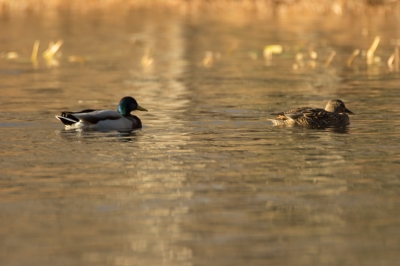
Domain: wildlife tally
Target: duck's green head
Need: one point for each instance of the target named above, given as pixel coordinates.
(127, 105)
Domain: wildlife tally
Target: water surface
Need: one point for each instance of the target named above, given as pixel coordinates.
(208, 180)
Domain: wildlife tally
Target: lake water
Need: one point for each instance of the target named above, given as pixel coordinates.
(208, 180)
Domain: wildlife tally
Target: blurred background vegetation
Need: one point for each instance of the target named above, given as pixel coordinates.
(283, 6)
(237, 11)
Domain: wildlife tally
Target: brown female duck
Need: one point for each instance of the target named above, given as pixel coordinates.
(334, 115)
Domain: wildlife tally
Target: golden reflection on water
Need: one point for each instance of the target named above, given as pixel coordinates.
(208, 180)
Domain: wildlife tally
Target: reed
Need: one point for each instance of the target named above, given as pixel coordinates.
(330, 58)
(371, 50)
(393, 61)
(269, 50)
(49, 54)
(35, 50)
(355, 53)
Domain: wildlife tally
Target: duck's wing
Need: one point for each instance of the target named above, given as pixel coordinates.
(306, 112)
(65, 114)
(69, 118)
(294, 113)
(316, 112)
(93, 117)
(88, 116)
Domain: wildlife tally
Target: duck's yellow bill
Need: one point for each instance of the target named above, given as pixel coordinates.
(141, 108)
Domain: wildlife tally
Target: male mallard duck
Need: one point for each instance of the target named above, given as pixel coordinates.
(105, 119)
(334, 115)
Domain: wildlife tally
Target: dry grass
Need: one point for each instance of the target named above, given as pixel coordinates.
(289, 7)
(187, 6)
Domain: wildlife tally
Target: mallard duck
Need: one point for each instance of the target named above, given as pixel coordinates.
(334, 115)
(104, 119)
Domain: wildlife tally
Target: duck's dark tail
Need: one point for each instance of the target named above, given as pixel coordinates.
(67, 119)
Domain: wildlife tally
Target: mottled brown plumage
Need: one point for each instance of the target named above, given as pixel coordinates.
(334, 115)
